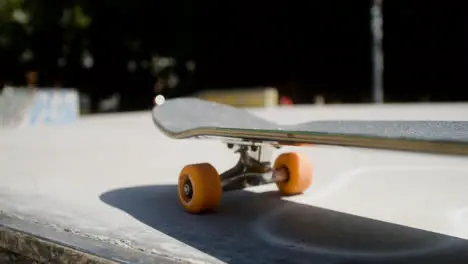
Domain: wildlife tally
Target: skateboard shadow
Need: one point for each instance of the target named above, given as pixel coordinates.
(263, 228)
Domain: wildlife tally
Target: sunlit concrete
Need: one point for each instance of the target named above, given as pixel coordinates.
(112, 178)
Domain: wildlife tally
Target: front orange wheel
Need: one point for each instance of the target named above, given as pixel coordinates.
(299, 173)
(199, 188)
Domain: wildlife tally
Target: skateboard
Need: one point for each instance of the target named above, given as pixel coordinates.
(200, 186)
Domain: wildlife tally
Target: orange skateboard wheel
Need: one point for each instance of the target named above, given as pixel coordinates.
(199, 188)
(299, 172)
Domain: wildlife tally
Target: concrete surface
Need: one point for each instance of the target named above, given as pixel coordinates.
(111, 179)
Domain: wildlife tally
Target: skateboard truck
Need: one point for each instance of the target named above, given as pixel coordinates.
(250, 170)
(200, 186)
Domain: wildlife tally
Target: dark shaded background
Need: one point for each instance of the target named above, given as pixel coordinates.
(303, 48)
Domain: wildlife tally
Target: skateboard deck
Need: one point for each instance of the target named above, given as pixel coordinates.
(200, 186)
(194, 118)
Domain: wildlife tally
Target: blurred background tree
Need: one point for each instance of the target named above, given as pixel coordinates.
(134, 48)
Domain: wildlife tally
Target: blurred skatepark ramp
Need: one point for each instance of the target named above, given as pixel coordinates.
(245, 97)
(25, 107)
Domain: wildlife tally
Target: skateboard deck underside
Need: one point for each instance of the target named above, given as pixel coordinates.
(194, 118)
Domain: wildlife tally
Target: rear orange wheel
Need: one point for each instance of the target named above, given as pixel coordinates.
(299, 173)
(199, 188)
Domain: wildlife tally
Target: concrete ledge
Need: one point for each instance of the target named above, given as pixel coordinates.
(38, 242)
(251, 97)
